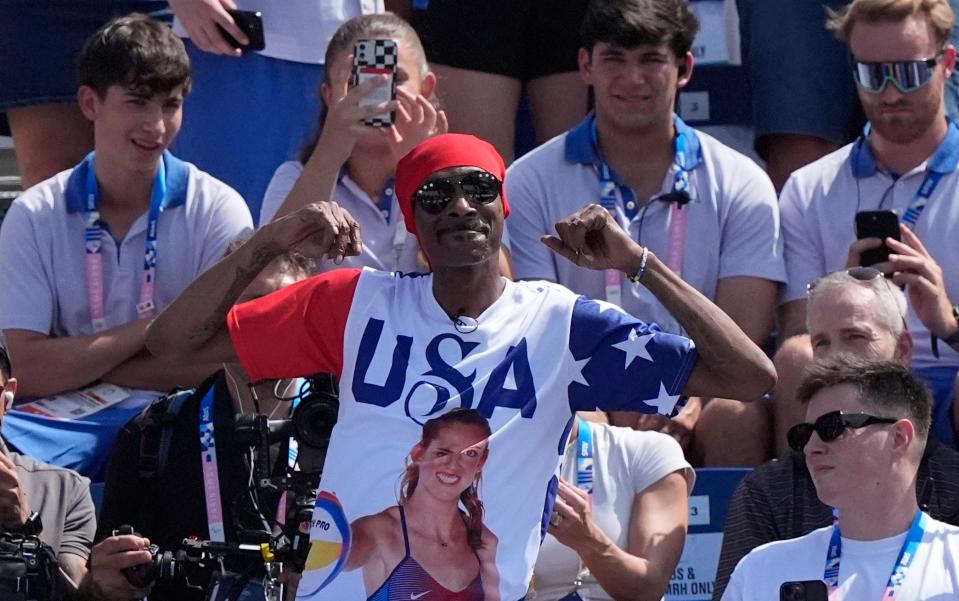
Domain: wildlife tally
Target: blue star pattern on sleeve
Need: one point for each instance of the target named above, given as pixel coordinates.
(619, 362)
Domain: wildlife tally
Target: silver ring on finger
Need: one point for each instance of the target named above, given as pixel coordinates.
(555, 519)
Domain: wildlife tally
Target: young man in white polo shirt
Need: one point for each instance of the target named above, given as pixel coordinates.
(907, 160)
(867, 423)
(709, 211)
(90, 255)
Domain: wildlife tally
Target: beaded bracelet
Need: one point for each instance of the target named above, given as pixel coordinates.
(642, 267)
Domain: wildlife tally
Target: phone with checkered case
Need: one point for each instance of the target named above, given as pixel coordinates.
(372, 58)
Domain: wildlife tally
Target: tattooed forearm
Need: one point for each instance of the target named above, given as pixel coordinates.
(243, 274)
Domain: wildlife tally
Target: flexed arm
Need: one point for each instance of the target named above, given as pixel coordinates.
(193, 328)
(730, 365)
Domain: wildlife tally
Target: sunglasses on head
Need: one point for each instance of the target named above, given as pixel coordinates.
(907, 76)
(478, 187)
(830, 426)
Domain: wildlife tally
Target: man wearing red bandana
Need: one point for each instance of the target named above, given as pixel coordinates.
(411, 347)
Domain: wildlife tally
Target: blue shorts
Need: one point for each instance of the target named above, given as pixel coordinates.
(942, 383)
(247, 115)
(40, 41)
(799, 74)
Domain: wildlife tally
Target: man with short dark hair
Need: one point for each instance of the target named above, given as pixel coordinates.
(409, 347)
(708, 211)
(90, 255)
(867, 425)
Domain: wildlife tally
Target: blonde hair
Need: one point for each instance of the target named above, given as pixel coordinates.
(938, 13)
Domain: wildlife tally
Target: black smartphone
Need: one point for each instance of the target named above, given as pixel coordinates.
(876, 224)
(805, 590)
(370, 59)
(251, 23)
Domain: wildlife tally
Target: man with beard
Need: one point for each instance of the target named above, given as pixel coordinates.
(905, 160)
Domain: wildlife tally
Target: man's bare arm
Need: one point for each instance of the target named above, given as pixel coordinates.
(730, 364)
(193, 328)
(147, 372)
(47, 365)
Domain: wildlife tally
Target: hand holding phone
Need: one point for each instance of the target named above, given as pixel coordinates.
(876, 224)
(805, 590)
(251, 24)
(370, 59)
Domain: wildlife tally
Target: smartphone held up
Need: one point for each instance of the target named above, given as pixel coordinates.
(372, 58)
(876, 224)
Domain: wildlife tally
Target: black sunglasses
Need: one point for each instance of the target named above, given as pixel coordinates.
(830, 426)
(478, 187)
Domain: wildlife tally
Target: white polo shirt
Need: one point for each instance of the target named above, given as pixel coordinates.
(819, 204)
(387, 246)
(732, 224)
(43, 284)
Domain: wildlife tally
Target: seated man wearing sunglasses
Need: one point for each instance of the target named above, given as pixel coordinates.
(410, 347)
(854, 311)
(907, 161)
(867, 425)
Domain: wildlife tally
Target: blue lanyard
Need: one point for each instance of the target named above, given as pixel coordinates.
(211, 478)
(608, 184)
(584, 456)
(906, 554)
(919, 203)
(93, 238)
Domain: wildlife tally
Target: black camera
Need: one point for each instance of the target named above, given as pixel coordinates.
(311, 423)
(164, 566)
(28, 569)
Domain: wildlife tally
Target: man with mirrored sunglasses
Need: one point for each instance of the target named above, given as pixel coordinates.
(906, 161)
(852, 311)
(410, 347)
(867, 423)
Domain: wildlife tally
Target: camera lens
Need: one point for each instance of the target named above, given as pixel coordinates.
(314, 418)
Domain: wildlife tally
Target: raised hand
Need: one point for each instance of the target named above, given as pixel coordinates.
(344, 115)
(591, 238)
(914, 268)
(416, 120)
(319, 230)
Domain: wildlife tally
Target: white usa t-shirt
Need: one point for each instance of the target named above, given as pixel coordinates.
(540, 353)
(864, 568)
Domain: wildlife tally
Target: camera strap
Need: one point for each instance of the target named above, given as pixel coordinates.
(610, 192)
(899, 570)
(93, 237)
(211, 473)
